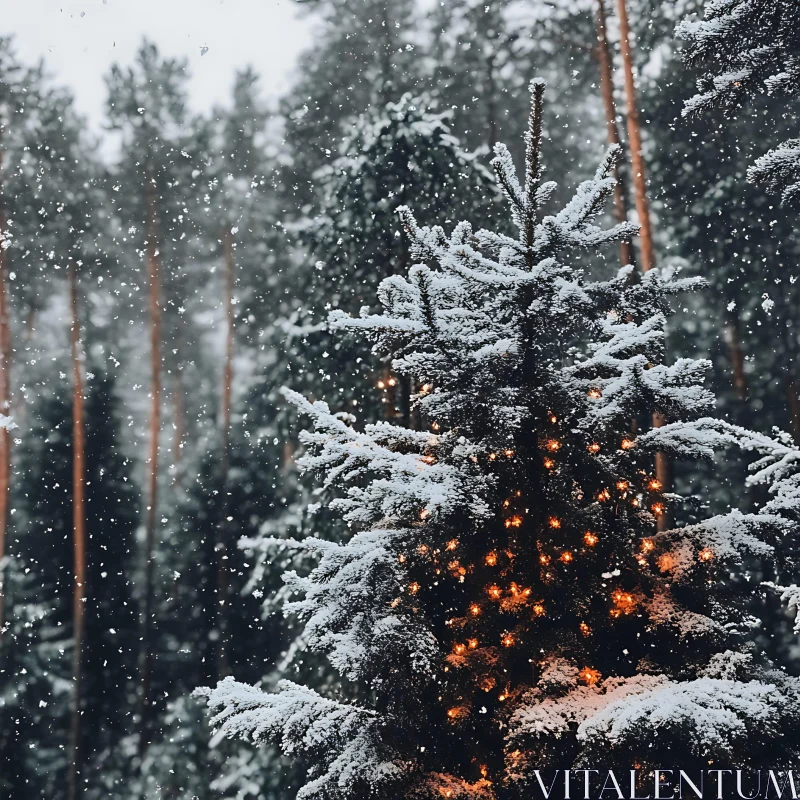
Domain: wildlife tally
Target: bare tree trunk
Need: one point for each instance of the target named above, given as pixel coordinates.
(663, 467)
(733, 338)
(5, 401)
(603, 53)
(223, 667)
(79, 537)
(154, 278)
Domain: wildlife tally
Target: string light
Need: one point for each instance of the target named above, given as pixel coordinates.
(459, 712)
(472, 644)
(554, 522)
(553, 419)
(627, 444)
(544, 559)
(514, 522)
(429, 459)
(494, 592)
(423, 549)
(657, 509)
(425, 388)
(475, 610)
(413, 588)
(594, 447)
(392, 381)
(603, 495)
(549, 463)
(459, 649)
(452, 544)
(654, 484)
(622, 485)
(553, 445)
(705, 554)
(401, 558)
(424, 514)
(589, 676)
(584, 629)
(381, 385)
(595, 394)
(491, 558)
(590, 538)
(507, 640)
(566, 557)
(435, 426)
(508, 453)
(492, 456)
(538, 609)
(647, 545)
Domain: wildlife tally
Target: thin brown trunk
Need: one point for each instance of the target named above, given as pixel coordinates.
(663, 467)
(733, 338)
(79, 538)
(223, 666)
(607, 90)
(635, 142)
(154, 278)
(5, 401)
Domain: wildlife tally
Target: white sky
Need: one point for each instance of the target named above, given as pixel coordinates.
(78, 50)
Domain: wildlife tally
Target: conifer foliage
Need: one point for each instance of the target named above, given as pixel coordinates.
(749, 47)
(504, 602)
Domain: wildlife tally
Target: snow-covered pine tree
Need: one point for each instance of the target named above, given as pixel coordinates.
(748, 48)
(504, 602)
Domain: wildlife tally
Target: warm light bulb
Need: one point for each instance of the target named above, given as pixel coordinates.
(549, 463)
(472, 643)
(654, 485)
(492, 456)
(459, 649)
(595, 393)
(594, 447)
(475, 610)
(507, 640)
(413, 588)
(584, 629)
(491, 558)
(657, 509)
(554, 522)
(452, 544)
(423, 549)
(392, 381)
(538, 609)
(543, 559)
(514, 522)
(494, 592)
(622, 485)
(435, 426)
(508, 453)
(566, 557)
(603, 495)
(381, 385)
(627, 444)
(553, 419)
(705, 554)
(590, 538)
(647, 545)
(589, 676)
(424, 514)
(553, 445)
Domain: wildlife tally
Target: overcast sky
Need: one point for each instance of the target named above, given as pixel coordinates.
(80, 39)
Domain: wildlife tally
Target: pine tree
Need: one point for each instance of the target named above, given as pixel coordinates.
(746, 48)
(504, 602)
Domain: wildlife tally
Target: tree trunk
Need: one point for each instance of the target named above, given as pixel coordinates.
(663, 467)
(5, 400)
(79, 537)
(733, 338)
(154, 278)
(603, 53)
(223, 667)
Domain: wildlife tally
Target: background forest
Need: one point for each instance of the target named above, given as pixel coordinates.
(160, 286)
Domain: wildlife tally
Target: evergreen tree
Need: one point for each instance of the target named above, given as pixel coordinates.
(747, 48)
(504, 602)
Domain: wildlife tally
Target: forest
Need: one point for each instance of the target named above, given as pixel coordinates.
(488, 330)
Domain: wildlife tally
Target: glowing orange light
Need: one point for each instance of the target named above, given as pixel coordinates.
(472, 643)
(457, 713)
(590, 538)
(392, 381)
(627, 444)
(502, 697)
(622, 485)
(381, 385)
(494, 592)
(435, 426)
(401, 558)
(507, 640)
(549, 463)
(705, 554)
(514, 522)
(657, 509)
(452, 544)
(506, 503)
(647, 545)
(584, 629)
(459, 649)
(484, 770)
(424, 514)
(654, 485)
(603, 495)
(595, 393)
(594, 447)
(413, 588)
(553, 419)
(538, 609)
(475, 610)
(491, 558)
(589, 676)
(566, 557)
(429, 459)
(492, 456)
(422, 549)
(426, 387)
(553, 445)
(554, 522)
(544, 559)
(508, 453)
